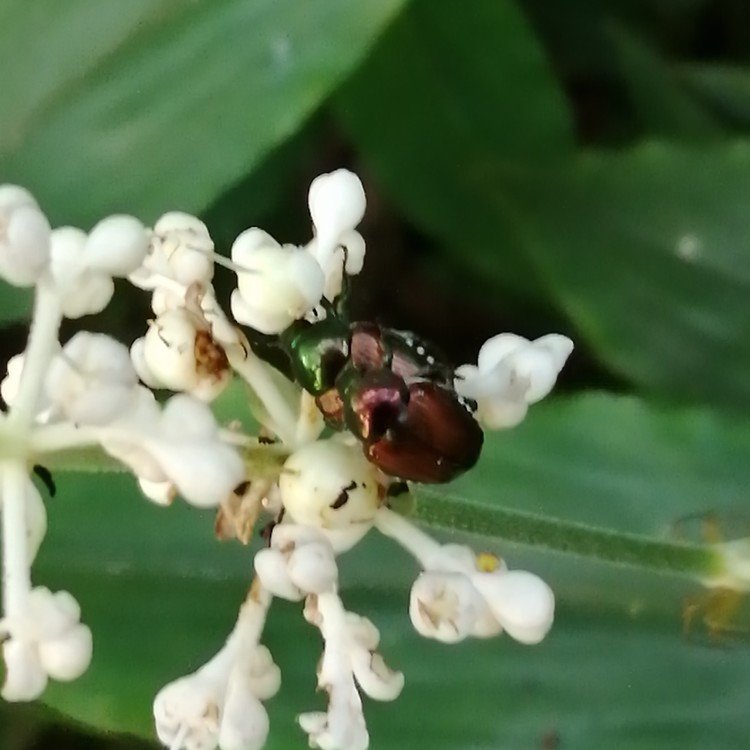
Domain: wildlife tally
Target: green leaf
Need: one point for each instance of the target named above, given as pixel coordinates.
(646, 250)
(15, 303)
(78, 35)
(444, 94)
(664, 107)
(161, 594)
(174, 112)
(723, 88)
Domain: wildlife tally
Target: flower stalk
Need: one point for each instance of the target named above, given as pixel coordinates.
(702, 562)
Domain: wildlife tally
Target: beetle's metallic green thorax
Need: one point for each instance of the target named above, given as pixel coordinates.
(317, 353)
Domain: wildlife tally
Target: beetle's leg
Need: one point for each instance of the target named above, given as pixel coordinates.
(341, 303)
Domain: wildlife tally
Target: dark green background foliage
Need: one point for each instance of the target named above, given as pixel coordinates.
(582, 167)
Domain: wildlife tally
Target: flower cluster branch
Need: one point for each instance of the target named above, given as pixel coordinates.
(394, 408)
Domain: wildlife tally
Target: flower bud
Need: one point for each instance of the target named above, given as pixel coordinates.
(179, 353)
(337, 204)
(244, 721)
(276, 285)
(520, 601)
(93, 381)
(510, 374)
(330, 485)
(116, 246)
(25, 678)
(184, 247)
(24, 237)
(66, 658)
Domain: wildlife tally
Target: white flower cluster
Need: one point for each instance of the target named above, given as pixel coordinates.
(324, 494)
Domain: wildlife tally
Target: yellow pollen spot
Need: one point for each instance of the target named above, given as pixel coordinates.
(487, 562)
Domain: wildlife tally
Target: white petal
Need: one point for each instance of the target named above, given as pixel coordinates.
(67, 657)
(363, 631)
(12, 381)
(354, 247)
(49, 615)
(559, 347)
(337, 203)
(499, 414)
(281, 284)
(257, 318)
(263, 674)
(522, 602)
(91, 293)
(494, 350)
(66, 257)
(93, 381)
(169, 350)
(183, 246)
(138, 359)
(247, 243)
(375, 677)
(270, 566)
(445, 606)
(24, 244)
(536, 368)
(244, 721)
(162, 493)
(117, 245)
(312, 568)
(189, 707)
(25, 678)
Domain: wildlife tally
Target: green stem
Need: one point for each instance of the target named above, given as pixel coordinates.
(701, 561)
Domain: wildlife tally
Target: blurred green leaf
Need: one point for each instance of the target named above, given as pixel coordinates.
(665, 109)
(161, 594)
(444, 95)
(647, 251)
(15, 303)
(173, 113)
(78, 35)
(724, 88)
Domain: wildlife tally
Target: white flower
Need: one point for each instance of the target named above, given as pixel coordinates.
(45, 640)
(180, 444)
(178, 352)
(349, 654)
(24, 237)
(181, 250)
(220, 704)
(116, 246)
(187, 711)
(82, 266)
(299, 561)
(511, 373)
(244, 722)
(373, 675)
(461, 594)
(275, 285)
(337, 204)
(331, 486)
(347, 257)
(92, 380)
(11, 384)
(448, 608)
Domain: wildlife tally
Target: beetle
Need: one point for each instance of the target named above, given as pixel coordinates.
(393, 391)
